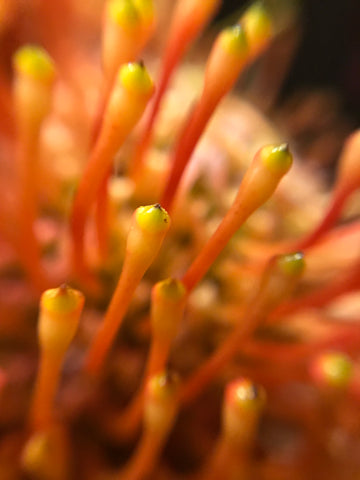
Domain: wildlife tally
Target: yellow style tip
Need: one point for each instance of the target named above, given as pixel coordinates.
(257, 25)
(277, 158)
(124, 14)
(34, 62)
(234, 41)
(146, 10)
(244, 395)
(152, 219)
(62, 300)
(163, 386)
(136, 79)
(170, 289)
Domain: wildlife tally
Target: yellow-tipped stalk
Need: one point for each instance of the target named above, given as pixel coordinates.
(34, 78)
(161, 406)
(278, 282)
(234, 48)
(258, 27)
(34, 63)
(333, 374)
(243, 405)
(60, 310)
(127, 27)
(33, 82)
(129, 97)
(227, 58)
(168, 300)
(147, 231)
(269, 165)
(161, 403)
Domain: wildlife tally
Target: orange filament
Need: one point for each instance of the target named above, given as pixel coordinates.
(234, 48)
(147, 232)
(102, 219)
(144, 459)
(126, 31)
(56, 23)
(322, 296)
(6, 119)
(55, 18)
(347, 182)
(29, 248)
(127, 103)
(167, 309)
(46, 454)
(189, 19)
(345, 338)
(161, 407)
(329, 219)
(58, 321)
(34, 78)
(45, 389)
(256, 187)
(277, 283)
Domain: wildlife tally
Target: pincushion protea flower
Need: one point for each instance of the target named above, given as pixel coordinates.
(246, 285)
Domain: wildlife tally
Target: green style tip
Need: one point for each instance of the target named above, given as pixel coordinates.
(292, 264)
(152, 218)
(332, 369)
(277, 158)
(234, 41)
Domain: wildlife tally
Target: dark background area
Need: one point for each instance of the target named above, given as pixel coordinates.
(328, 55)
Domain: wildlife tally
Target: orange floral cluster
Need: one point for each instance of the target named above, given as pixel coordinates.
(207, 267)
